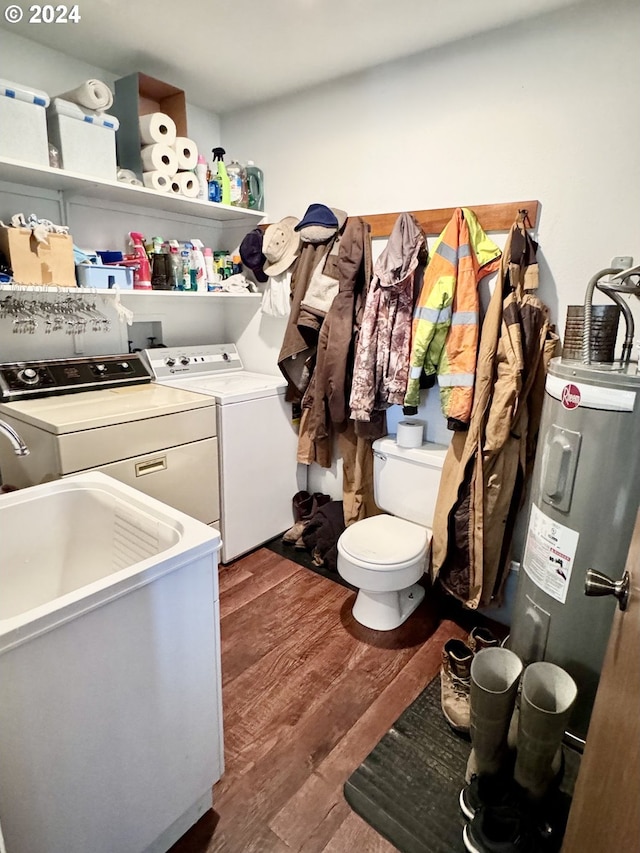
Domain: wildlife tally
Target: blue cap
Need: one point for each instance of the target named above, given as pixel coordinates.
(318, 214)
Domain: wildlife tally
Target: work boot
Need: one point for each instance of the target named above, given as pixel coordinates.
(481, 638)
(495, 673)
(302, 507)
(455, 679)
(546, 701)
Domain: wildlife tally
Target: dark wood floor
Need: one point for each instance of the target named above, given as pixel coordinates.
(307, 694)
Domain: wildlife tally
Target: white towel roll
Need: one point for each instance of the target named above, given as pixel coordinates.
(187, 152)
(157, 127)
(157, 181)
(410, 433)
(92, 94)
(159, 158)
(188, 184)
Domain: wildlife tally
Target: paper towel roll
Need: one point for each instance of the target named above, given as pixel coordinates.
(92, 94)
(126, 176)
(157, 127)
(159, 158)
(188, 183)
(410, 433)
(187, 152)
(157, 181)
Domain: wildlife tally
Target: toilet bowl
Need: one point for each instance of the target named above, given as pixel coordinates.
(385, 556)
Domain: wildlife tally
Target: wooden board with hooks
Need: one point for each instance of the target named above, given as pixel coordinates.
(492, 217)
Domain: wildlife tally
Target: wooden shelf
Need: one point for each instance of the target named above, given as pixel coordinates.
(73, 184)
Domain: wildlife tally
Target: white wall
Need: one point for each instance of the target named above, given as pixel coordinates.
(544, 109)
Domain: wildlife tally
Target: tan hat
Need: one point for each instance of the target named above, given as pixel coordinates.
(280, 245)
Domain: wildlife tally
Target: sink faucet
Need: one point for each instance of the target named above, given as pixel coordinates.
(19, 447)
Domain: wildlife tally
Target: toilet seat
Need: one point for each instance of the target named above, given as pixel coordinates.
(383, 553)
(384, 543)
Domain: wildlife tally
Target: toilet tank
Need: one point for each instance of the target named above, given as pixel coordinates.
(406, 479)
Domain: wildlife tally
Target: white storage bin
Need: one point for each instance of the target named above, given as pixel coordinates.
(86, 142)
(23, 123)
(105, 277)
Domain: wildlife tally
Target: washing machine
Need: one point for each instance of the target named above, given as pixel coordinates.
(257, 440)
(104, 413)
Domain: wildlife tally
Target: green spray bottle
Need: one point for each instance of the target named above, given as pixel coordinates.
(223, 177)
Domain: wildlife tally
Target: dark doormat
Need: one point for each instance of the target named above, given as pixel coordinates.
(303, 558)
(408, 786)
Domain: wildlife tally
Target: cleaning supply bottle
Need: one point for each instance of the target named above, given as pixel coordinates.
(212, 276)
(213, 186)
(255, 186)
(201, 174)
(197, 271)
(176, 265)
(223, 177)
(238, 184)
(185, 277)
(142, 273)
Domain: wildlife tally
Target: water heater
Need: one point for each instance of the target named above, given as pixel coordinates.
(585, 493)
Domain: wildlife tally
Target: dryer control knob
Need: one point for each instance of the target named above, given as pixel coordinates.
(124, 365)
(29, 376)
(169, 361)
(184, 360)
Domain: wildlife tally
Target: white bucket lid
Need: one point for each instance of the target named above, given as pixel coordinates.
(384, 540)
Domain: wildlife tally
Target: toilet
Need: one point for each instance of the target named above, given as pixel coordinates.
(385, 556)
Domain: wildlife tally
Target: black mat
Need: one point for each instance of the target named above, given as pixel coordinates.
(303, 558)
(408, 786)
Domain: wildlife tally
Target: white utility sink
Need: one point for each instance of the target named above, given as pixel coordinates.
(110, 699)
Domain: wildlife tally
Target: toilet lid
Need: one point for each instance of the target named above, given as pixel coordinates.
(384, 540)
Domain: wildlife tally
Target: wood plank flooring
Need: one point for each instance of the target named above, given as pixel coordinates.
(307, 694)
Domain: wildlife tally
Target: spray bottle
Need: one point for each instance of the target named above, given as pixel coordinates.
(223, 177)
(197, 271)
(142, 273)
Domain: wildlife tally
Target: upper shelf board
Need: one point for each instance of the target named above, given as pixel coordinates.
(75, 184)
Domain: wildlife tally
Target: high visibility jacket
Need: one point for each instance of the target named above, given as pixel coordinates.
(445, 320)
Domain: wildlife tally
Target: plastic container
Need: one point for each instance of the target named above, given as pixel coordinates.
(23, 123)
(255, 186)
(104, 276)
(237, 184)
(86, 143)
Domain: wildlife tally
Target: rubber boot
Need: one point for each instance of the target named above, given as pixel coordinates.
(546, 702)
(495, 673)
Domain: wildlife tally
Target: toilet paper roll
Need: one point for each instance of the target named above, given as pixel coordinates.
(157, 181)
(157, 127)
(188, 184)
(187, 152)
(159, 158)
(410, 433)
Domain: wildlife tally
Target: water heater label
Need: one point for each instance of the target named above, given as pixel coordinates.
(586, 395)
(549, 554)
